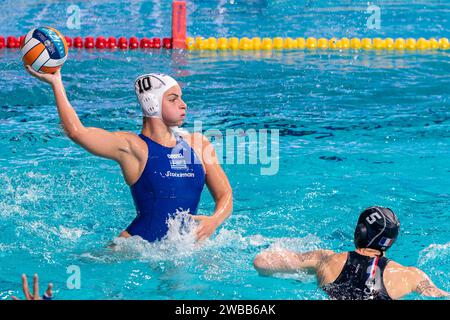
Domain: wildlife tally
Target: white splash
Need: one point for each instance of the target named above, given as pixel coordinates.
(433, 252)
(308, 243)
(6, 247)
(179, 242)
(11, 210)
(181, 229)
(71, 234)
(221, 252)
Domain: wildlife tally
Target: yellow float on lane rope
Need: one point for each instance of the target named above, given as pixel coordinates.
(279, 43)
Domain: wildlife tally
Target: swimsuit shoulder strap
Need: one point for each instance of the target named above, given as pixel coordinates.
(343, 273)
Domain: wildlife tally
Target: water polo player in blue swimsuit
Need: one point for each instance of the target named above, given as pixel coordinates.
(165, 167)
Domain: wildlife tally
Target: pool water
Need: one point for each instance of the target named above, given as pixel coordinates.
(356, 129)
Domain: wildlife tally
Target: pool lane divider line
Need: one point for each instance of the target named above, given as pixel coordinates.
(245, 44)
(279, 43)
(98, 43)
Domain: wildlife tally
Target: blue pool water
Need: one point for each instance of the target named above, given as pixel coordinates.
(356, 129)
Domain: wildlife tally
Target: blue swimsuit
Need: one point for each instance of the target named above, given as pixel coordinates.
(173, 179)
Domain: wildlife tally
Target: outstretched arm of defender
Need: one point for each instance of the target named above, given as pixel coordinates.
(97, 141)
(423, 285)
(270, 262)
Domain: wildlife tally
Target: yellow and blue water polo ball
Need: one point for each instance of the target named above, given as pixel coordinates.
(44, 49)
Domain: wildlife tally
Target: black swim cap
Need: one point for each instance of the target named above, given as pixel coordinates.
(377, 228)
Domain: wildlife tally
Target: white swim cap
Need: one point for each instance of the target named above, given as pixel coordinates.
(150, 89)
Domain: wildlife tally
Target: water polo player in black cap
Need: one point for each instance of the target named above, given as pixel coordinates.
(362, 274)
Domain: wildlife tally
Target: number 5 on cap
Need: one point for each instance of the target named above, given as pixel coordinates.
(373, 217)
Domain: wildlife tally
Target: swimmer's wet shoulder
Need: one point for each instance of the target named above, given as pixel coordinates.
(330, 266)
(132, 157)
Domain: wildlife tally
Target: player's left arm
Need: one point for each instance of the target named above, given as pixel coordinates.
(218, 185)
(423, 285)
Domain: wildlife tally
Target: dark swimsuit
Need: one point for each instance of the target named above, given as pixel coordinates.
(360, 279)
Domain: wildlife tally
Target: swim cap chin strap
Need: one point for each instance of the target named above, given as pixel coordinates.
(150, 89)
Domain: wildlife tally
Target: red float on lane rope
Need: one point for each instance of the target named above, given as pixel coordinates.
(134, 43)
(144, 43)
(167, 43)
(123, 43)
(156, 43)
(11, 42)
(112, 43)
(78, 42)
(69, 42)
(100, 43)
(20, 42)
(89, 42)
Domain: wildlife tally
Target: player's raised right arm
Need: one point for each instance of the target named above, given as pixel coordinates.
(111, 145)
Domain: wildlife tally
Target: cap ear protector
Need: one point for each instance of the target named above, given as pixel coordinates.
(360, 235)
(377, 229)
